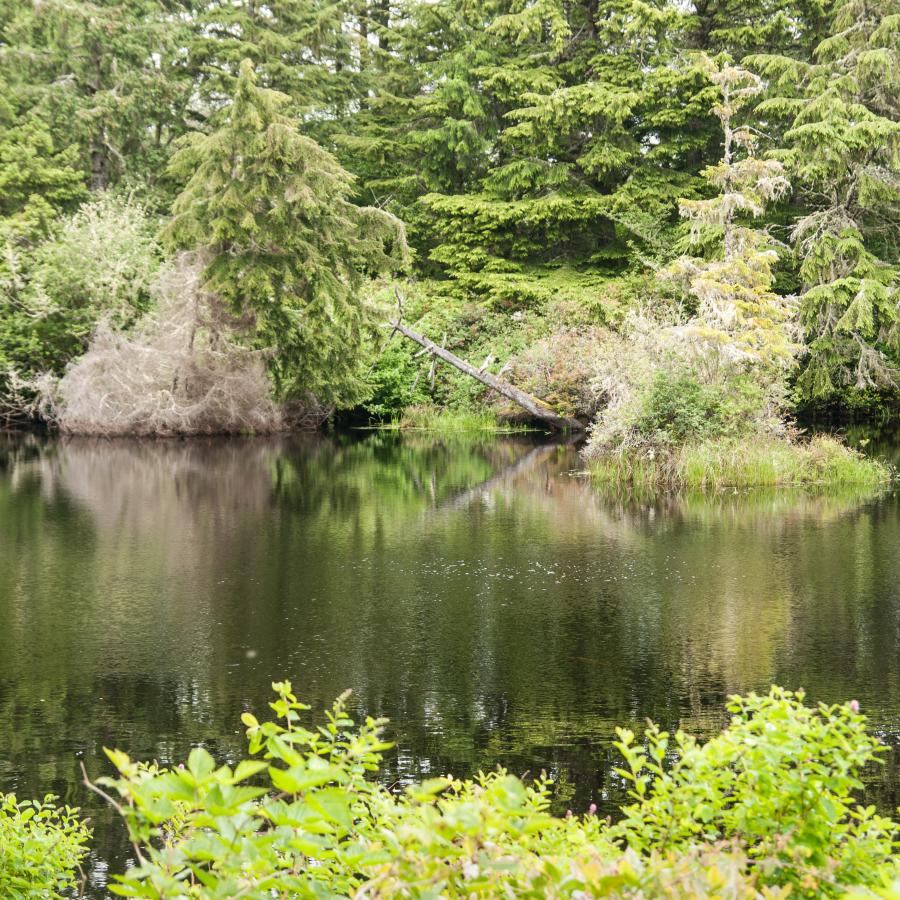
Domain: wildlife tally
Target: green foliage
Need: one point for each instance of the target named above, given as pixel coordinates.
(301, 49)
(100, 264)
(714, 367)
(580, 164)
(841, 143)
(719, 463)
(41, 846)
(765, 806)
(446, 421)
(37, 181)
(678, 409)
(271, 209)
(534, 151)
(106, 78)
(781, 777)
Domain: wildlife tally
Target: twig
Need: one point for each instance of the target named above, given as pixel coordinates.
(113, 803)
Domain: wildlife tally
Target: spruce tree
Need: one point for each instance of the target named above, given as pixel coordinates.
(842, 147)
(600, 131)
(103, 75)
(271, 209)
(310, 50)
(741, 27)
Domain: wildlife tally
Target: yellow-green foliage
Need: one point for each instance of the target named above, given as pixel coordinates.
(765, 809)
(728, 462)
(41, 845)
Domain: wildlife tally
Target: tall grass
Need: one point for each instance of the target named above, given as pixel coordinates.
(452, 421)
(721, 463)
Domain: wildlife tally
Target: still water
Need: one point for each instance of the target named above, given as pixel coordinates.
(479, 593)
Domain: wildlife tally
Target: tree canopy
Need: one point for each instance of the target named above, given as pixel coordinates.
(539, 154)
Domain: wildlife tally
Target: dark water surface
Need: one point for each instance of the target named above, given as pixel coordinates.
(480, 594)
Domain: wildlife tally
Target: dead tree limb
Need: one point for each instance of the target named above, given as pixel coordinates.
(530, 404)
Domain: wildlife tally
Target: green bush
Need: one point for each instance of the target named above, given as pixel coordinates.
(764, 808)
(101, 263)
(726, 462)
(678, 409)
(41, 846)
(780, 778)
(438, 420)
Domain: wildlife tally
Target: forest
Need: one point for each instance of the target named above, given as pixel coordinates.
(671, 222)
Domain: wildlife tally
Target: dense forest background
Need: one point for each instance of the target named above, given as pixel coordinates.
(244, 179)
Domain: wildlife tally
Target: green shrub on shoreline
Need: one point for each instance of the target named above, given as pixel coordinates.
(765, 809)
(739, 463)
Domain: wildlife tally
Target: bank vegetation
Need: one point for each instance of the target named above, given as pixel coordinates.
(204, 229)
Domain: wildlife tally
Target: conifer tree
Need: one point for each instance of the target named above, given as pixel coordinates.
(37, 180)
(741, 27)
(103, 75)
(286, 246)
(739, 320)
(599, 133)
(842, 148)
(429, 122)
(310, 50)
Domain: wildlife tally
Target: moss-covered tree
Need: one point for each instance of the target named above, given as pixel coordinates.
(739, 319)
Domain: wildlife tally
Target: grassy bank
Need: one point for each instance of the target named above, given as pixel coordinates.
(452, 421)
(729, 463)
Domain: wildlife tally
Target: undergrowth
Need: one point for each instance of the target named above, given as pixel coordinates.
(738, 463)
(451, 421)
(767, 808)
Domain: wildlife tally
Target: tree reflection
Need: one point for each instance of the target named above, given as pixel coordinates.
(480, 593)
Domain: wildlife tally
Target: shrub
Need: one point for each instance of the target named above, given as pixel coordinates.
(764, 807)
(780, 778)
(451, 421)
(679, 409)
(100, 265)
(103, 262)
(185, 368)
(41, 846)
(558, 369)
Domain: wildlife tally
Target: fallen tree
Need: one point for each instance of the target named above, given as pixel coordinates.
(532, 405)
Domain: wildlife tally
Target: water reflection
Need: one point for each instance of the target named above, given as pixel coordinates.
(481, 594)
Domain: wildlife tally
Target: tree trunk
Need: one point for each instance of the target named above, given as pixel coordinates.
(531, 405)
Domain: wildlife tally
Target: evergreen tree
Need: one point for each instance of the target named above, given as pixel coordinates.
(740, 320)
(430, 119)
(741, 27)
(271, 209)
(310, 50)
(103, 75)
(37, 181)
(600, 131)
(842, 148)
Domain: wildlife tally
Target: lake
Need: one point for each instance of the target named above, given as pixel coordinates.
(478, 592)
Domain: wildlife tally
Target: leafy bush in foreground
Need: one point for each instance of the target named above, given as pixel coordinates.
(41, 846)
(764, 809)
